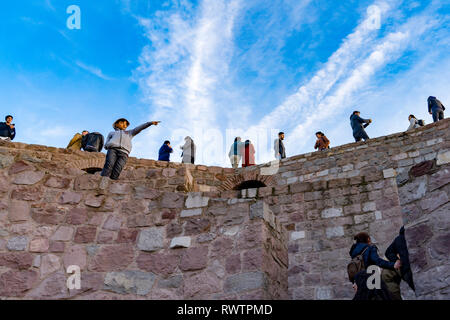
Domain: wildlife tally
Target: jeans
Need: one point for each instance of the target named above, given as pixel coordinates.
(115, 161)
(360, 135)
(438, 114)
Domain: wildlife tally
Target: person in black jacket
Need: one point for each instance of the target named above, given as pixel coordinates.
(398, 250)
(435, 108)
(358, 125)
(7, 129)
(92, 142)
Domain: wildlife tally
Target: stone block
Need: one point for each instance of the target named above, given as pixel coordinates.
(334, 232)
(172, 282)
(16, 283)
(389, 173)
(16, 260)
(134, 282)
(69, 197)
(85, 234)
(332, 212)
(246, 281)
(160, 263)
(29, 177)
(196, 200)
(151, 239)
(191, 213)
(39, 245)
(77, 216)
(112, 258)
(194, 259)
(443, 158)
(63, 233)
(18, 211)
(17, 243)
(369, 206)
(50, 263)
(296, 235)
(180, 242)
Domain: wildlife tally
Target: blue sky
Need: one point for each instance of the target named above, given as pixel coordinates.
(214, 69)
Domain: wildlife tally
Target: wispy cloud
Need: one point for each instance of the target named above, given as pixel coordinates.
(94, 70)
(182, 71)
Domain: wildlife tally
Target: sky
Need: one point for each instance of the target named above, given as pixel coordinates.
(216, 69)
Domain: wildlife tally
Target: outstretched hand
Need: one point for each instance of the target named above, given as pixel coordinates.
(155, 123)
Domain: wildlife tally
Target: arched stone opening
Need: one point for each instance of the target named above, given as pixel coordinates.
(250, 184)
(93, 170)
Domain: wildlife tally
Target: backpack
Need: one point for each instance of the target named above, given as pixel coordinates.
(421, 123)
(356, 265)
(92, 142)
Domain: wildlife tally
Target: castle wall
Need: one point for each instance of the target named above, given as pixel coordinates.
(149, 236)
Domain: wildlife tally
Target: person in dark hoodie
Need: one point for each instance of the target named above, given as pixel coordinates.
(358, 124)
(435, 108)
(118, 144)
(165, 151)
(398, 250)
(370, 257)
(7, 129)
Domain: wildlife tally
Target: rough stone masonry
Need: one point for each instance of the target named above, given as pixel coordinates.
(177, 231)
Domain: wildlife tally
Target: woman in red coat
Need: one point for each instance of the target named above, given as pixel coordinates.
(248, 152)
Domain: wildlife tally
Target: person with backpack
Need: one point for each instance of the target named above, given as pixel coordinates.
(414, 123)
(248, 152)
(322, 141)
(364, 254)
(358, 125)
(7, 129)
(92, 142)
(76, 141)
(118, 144)
(435, 108)
(165, 151)
(398, 250)
(188, 154)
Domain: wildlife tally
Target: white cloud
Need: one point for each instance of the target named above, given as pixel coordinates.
(94, 70)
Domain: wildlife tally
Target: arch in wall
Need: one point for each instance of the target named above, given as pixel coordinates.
(247, 179)
(90, 165)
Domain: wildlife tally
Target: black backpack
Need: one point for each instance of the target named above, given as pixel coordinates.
(92, 142)
(421, 123)
(356, 265)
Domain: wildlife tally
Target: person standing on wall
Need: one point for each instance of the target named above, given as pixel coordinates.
(75, 142)
(322, 141)
(358, 124)
(189, 148)
(165, 151)
(278, 146)
(7, 129)
(248, 152)
(118, 144)
(435, 108)
(235, 152)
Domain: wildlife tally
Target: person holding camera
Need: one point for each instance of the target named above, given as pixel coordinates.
(7, 129)
(358, 124)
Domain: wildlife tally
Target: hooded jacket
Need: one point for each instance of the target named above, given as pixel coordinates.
(371, 256)
(121, 139)
(434, 104)
(358, 124)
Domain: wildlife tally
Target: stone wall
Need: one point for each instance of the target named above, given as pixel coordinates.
(133, 242)
(150, 236)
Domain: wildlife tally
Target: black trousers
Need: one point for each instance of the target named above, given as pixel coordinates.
(360, 135)
(438, 114)
(115, 161)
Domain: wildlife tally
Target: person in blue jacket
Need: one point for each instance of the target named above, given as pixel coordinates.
(370, 256)
(358, 124)
(7, 129)
(165, 151)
